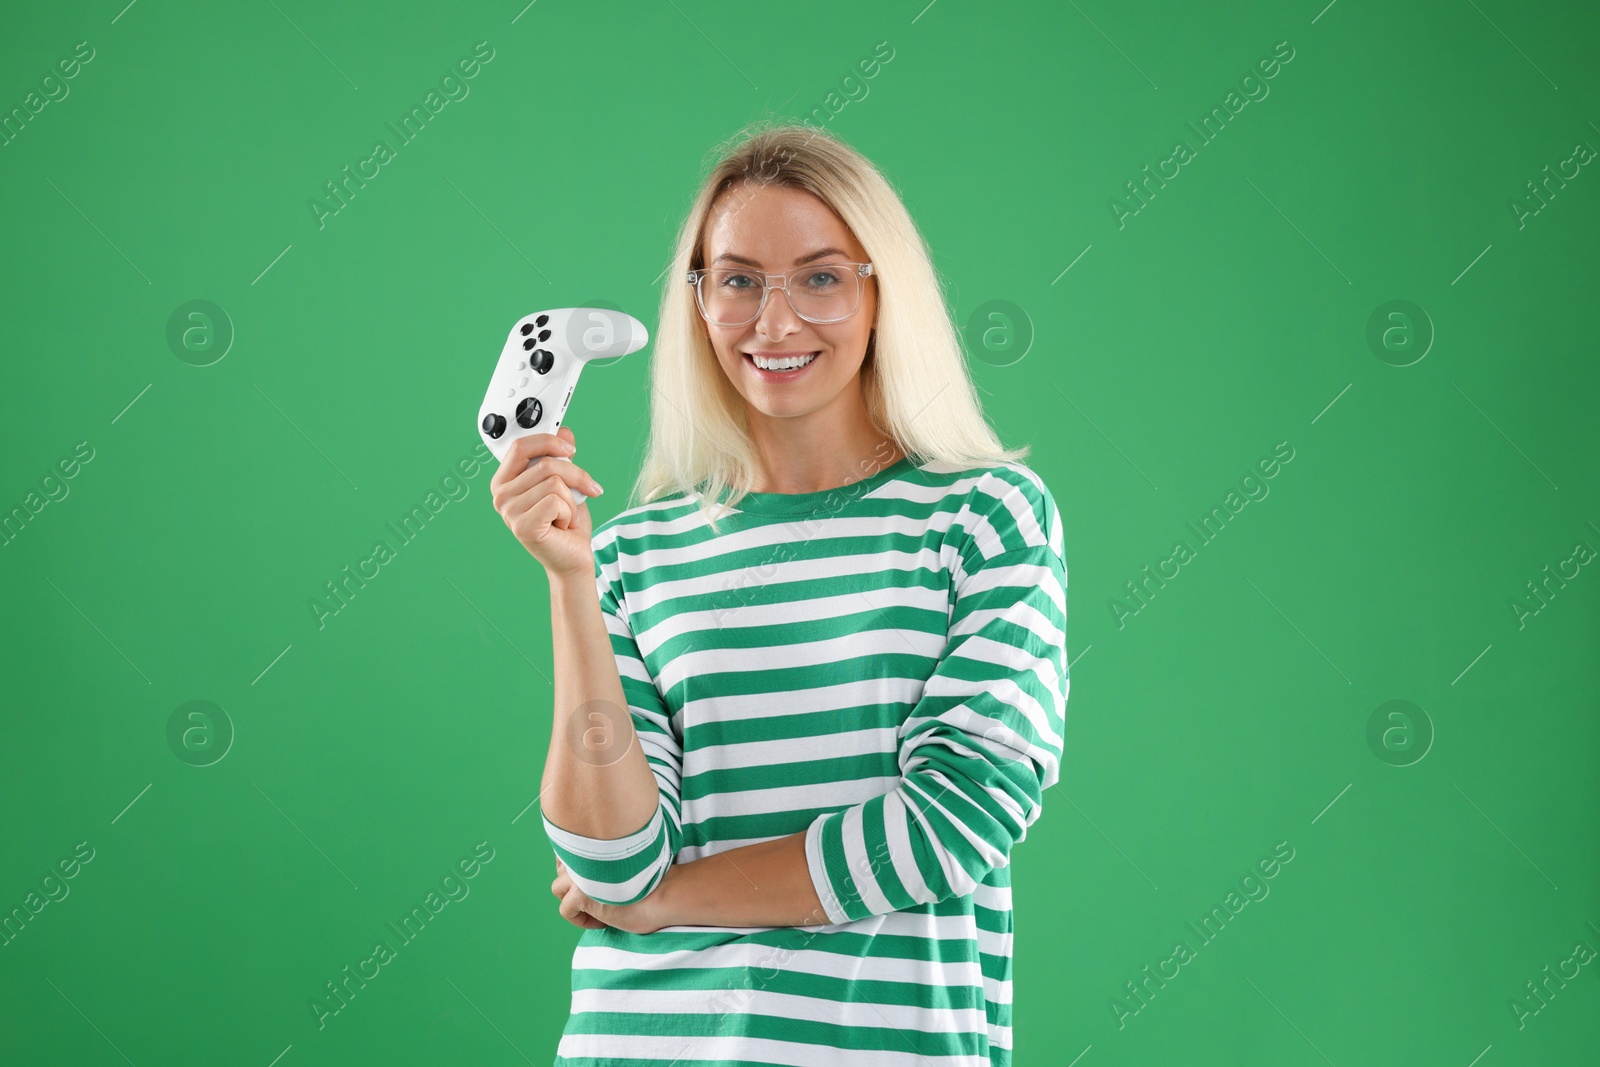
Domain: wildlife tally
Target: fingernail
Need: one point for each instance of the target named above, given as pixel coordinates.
(569, 447)
(597, 489)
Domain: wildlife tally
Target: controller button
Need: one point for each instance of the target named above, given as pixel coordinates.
(524, 383)
(528, 413)
(541, 360)
(527, 328)
(528, 344)
(541, 320)
(494, 425)
(544, 335)
(522, 364)
(510, 392)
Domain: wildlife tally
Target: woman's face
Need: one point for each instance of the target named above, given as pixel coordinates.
(774, 229)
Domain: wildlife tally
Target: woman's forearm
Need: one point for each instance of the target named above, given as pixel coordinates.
(597, 782)
(765, 884)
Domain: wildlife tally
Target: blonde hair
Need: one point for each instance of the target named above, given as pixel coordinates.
(915, 380)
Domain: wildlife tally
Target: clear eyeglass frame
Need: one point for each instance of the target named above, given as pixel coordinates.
(861, 273)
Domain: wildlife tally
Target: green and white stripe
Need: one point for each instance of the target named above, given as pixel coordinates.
(882, 667)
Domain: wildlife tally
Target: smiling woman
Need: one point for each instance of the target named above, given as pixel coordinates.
(837, 623)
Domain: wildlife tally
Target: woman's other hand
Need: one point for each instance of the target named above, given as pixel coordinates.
(532, 493)
(580, 910)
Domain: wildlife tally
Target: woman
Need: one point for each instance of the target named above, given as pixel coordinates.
(822, 686)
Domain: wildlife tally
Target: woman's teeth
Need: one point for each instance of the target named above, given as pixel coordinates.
(787, 363)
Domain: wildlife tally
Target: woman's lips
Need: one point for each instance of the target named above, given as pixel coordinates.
(782, 375)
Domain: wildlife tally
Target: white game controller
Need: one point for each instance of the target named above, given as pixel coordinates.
(539, 367)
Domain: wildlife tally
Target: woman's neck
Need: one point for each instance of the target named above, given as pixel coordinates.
(810, 459)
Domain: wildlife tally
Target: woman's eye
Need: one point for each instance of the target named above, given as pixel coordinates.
(822, 279)
(736, 281)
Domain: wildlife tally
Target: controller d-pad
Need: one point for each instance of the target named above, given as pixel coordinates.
(528, 414)
(494, 425)
(541, 360)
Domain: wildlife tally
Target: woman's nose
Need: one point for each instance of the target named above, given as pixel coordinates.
(773, 321)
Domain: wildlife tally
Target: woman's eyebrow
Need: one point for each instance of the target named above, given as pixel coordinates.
(819, 254)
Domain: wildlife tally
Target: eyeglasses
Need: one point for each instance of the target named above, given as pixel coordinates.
(823, 293)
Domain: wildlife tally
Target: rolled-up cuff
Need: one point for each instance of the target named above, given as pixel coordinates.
(603, 848)
(620, 870)
(819, 870)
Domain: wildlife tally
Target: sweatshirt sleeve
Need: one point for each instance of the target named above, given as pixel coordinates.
(627, 869)
(985, 738)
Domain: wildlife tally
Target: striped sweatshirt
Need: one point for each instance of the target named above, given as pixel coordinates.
(882, 666)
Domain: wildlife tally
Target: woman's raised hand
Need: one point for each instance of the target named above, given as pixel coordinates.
(579, 909)
(573, 901)
(532, 493)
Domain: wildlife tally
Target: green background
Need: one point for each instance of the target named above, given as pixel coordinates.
(1231, 313)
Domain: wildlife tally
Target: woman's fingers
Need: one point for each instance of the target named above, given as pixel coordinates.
(540, 469)
(513, 507)
(551, 485)
(524, 451)
(573, 901)
(552, 509)
(534, 469)
(572, 908)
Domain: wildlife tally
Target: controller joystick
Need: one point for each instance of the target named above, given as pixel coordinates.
(539, 367)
